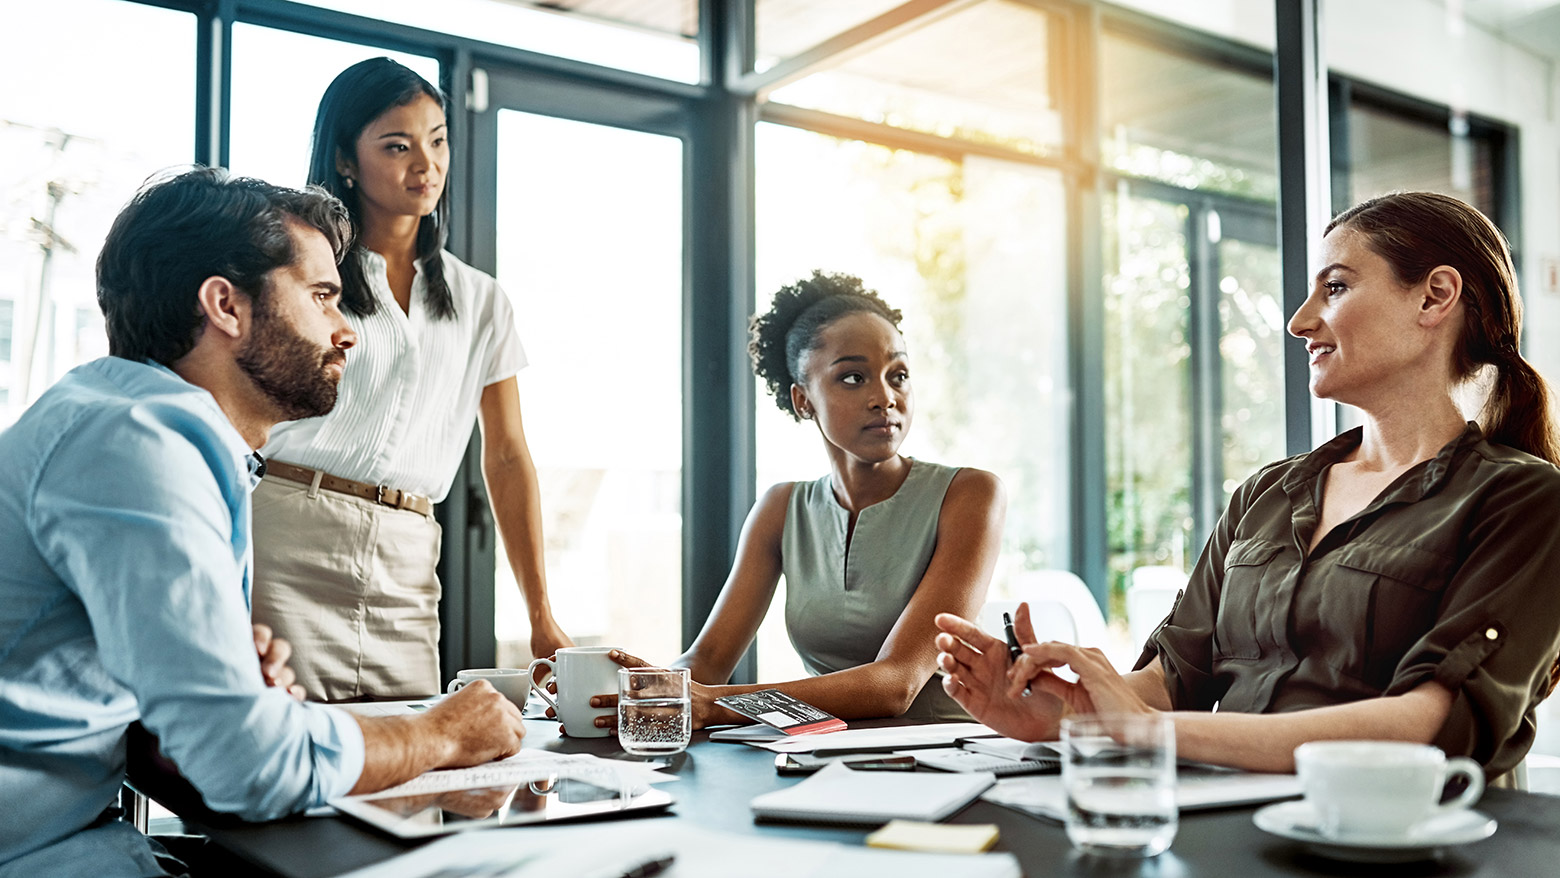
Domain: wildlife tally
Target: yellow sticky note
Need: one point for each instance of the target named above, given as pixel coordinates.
(943, 838)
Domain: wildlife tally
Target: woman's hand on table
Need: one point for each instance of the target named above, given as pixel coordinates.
(705, 711)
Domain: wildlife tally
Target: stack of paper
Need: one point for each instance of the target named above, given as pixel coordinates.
(881, 740)
(528, 765)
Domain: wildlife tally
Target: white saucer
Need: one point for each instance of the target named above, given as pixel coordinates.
(1297, 820)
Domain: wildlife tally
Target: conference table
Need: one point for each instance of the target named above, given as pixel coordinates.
(716, 780)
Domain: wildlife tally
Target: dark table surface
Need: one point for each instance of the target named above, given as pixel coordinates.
(716, 781)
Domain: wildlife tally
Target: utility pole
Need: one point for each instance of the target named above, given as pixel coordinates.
(37, 348)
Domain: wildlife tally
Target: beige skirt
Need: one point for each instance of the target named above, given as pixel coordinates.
(352, 586)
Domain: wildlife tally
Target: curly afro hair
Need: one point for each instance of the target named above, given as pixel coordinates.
(800, 311)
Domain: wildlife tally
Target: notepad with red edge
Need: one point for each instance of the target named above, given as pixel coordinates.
(781, 711)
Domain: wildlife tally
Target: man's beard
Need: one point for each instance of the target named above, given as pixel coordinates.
(288, 368)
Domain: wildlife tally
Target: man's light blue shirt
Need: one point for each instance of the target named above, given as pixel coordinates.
(124, 596)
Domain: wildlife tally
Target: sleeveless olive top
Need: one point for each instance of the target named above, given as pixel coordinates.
(842, 601)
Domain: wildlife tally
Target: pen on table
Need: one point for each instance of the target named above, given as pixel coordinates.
(641, 868)
(1014, 651)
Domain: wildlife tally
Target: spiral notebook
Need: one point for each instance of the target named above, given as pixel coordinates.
(837, 794)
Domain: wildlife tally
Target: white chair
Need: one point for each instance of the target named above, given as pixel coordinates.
(1053, 593)
(1061, 608)
(1052, 620)
(1151, 593)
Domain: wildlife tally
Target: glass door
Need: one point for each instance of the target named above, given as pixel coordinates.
(586, 237)
(1194, 341)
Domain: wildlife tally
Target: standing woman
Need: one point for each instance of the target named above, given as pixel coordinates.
(345, 540)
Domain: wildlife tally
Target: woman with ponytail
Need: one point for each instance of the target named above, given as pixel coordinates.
(1398, 582)
(344, 537)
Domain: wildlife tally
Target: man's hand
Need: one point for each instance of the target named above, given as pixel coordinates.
(274, 653)
(477, 724)
(473, 726)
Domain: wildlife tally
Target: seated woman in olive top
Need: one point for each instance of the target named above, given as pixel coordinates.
(1399, 582)
(871, 552)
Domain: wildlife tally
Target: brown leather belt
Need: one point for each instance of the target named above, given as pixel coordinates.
(384, 496)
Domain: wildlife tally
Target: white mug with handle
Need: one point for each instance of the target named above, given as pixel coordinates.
(510, 682)
(580, 673)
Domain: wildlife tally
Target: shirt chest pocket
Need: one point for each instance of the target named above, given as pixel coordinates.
(1390, 596)
(1247, 565)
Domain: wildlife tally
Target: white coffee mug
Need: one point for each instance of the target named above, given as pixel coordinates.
(512, 683)
(580, 672)
(1380, 789)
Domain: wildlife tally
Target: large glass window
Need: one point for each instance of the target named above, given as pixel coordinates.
(1252, 336)
(590, 245)
(7, 325)
(100, 94)
(1148, 381)
(653, 37)
(973, 252)
(1392, 151)
(1187, 122)
(274, 104)
(788, 27)
(1193, 316)
(982, 74)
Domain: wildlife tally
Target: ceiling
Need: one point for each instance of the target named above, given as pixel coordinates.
(1532, 24)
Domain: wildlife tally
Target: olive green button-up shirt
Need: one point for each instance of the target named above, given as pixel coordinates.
(1452, 574)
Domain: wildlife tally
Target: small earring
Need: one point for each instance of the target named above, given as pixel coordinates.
(348, 181)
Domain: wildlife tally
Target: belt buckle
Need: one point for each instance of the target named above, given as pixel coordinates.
(381, 491)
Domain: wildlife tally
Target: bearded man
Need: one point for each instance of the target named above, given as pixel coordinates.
(124, 534)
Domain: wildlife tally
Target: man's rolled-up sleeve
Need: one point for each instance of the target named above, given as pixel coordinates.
(150, 530)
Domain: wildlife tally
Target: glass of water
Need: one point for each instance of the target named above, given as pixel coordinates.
(1119, 774)
(655, 713)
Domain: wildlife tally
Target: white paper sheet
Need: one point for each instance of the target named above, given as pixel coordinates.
(891, 738)
(609, 849)
(1043, 796)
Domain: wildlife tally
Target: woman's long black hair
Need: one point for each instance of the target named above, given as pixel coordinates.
(354, 99)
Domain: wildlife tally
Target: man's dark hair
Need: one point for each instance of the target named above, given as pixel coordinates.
(178, 231)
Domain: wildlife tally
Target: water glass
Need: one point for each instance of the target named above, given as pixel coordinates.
(655, 712)
(1119, 775)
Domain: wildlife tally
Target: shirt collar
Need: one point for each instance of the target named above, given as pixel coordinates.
(1432, 472)
(244, 457)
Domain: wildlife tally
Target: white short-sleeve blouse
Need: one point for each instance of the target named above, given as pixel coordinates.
(412, 385)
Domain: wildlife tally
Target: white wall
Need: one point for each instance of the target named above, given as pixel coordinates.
(1469, 66)
(1411, 46)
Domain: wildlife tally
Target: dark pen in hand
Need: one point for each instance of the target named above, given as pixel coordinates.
(1014, 651)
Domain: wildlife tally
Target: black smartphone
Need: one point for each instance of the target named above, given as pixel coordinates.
(806, 763)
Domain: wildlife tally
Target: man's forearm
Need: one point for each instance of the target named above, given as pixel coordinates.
(397, 749)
